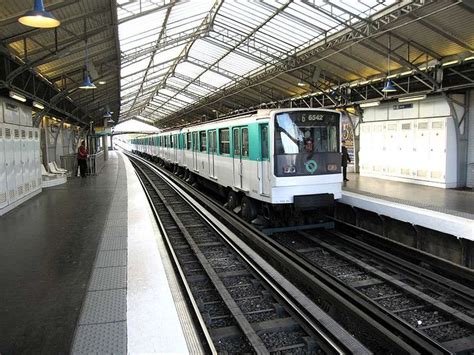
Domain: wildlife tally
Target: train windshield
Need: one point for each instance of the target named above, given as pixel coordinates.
(306, 143)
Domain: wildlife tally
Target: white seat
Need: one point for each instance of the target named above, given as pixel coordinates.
(52, 168)
(58, 168)
(45, 173)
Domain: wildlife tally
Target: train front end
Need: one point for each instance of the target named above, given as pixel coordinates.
(306, 158)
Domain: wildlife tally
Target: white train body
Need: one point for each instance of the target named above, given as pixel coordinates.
(281, 156)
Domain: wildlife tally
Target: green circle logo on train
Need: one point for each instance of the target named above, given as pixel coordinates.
(311, 166)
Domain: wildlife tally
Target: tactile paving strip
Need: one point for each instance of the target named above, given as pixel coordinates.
(109, 258)
(108, 278)
(101, 338)
(110, 243)
(102, 326)
(104, 307)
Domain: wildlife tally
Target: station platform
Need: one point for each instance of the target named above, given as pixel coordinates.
(445, 210)
(82, 270)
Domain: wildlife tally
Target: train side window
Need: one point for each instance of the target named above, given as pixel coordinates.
(245, 142)
(188, 140)
(203, 141)
(224, 142)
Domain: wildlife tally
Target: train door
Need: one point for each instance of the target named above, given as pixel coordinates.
(212, 152)
(263, 161)
(175, 148)
(237, 160)
(182, 148)
(195, 151)
(241, 155)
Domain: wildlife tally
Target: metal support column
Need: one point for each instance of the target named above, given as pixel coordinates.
(104, 141)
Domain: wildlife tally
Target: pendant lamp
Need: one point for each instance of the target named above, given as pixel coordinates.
(87, 84)
(389, 87)
(39, 17)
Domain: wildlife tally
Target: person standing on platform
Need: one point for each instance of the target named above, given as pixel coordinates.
(345, 159)
(82, 158)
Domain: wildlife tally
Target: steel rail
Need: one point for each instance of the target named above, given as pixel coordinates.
(346, 301)
(460, 290)
(177, 266)
(456, 273)
(340, 341)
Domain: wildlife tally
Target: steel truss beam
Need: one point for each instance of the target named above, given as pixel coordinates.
(358, 32)
(36, 88)
(235, 46)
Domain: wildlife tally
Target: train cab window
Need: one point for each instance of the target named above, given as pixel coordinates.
(224, 142)
(245, 142)
(306, 136)
(188, 140)
(203, 137)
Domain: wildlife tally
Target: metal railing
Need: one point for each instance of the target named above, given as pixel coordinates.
(95, 163)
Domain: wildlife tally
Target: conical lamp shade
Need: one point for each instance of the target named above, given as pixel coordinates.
(39, 17)
(87, 83)
(389, 86)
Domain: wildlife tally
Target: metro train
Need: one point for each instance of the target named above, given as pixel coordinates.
(280, 164)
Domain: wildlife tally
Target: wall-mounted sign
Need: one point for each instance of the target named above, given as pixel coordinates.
(11, 107)
(402, 106)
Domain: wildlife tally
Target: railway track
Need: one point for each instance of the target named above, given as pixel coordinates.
(241, 306)
(431, 304)
(377, 328)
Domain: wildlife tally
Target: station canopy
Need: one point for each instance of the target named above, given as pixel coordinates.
(171, 62)
(183, 60)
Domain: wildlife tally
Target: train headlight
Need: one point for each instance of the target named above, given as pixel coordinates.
(289, 169)
(332, 167)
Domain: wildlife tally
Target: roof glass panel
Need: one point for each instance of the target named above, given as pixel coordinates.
(190, 52)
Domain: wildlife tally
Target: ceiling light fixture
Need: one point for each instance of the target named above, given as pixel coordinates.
(411, 98)
(16, 96)
(38, 105)
(370, 104)
(451, 62)
(39, 17)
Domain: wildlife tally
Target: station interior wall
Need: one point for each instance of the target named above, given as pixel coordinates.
(470, 141)
(413, 142)
(58, 139)
(20, 161)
